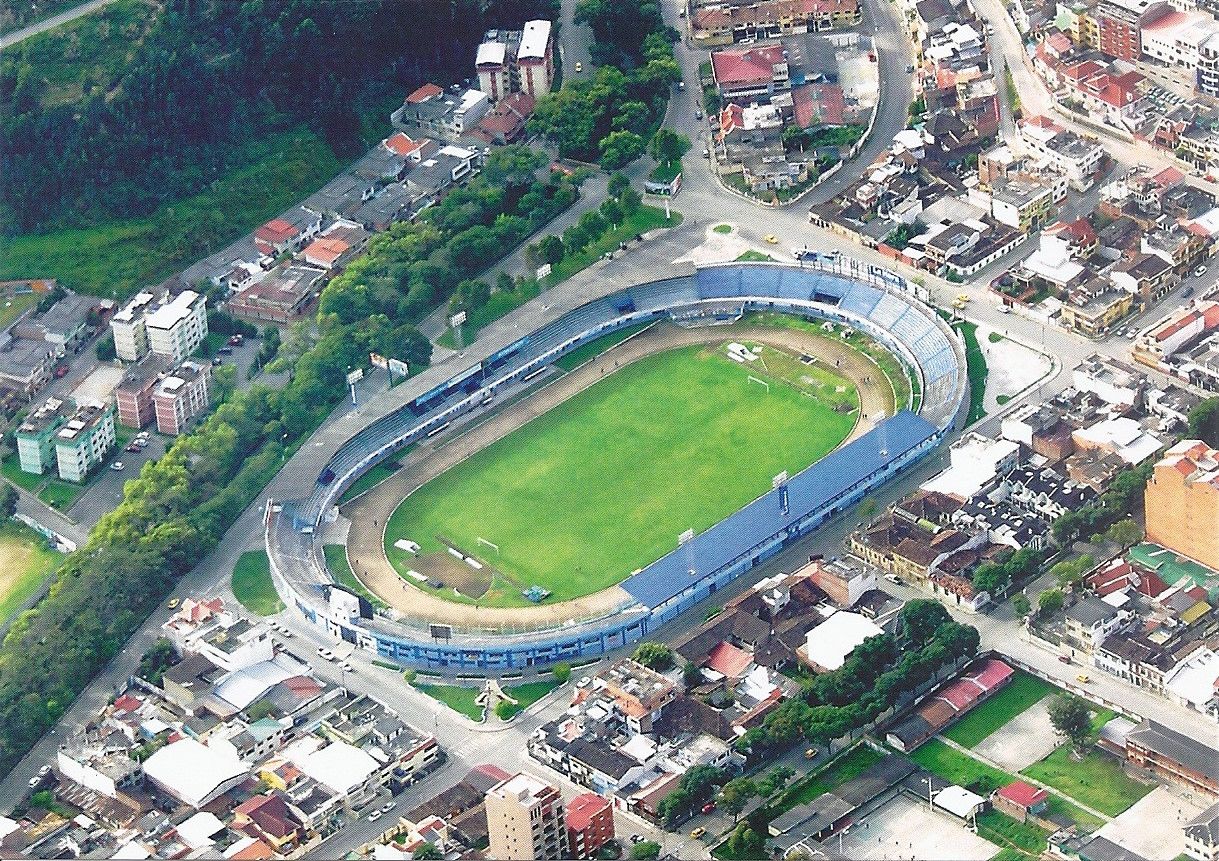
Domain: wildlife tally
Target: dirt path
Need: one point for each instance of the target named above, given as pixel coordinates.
(370, 512)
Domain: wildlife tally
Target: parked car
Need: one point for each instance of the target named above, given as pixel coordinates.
(1065, 659)
(61, 371)
(708, 807)
(325, 654)
(810, 753)
(636, 838)
(375, 815)
(224, 351)
(1187, 292)
(1200, 270)
(117, 466)
(1083, 679)
(894, 579)
(131, 447)
(698, 115)
(236, 340)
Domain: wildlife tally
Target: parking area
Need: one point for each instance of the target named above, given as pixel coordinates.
(1021, 741)
(106, 490)
(1152, 827)
(905, 828)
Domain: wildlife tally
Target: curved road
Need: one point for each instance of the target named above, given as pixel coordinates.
(8, 40)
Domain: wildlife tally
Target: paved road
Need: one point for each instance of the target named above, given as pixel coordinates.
(10, 39)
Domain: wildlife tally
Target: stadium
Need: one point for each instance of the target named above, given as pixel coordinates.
(473, 568)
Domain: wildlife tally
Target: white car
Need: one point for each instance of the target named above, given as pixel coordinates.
(117, 466)
(346, 667)
(325, 654)
(388, 806)
(374, 816)
(1200, 270)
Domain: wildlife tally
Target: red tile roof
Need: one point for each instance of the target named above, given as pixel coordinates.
(491, 771)
(728, 660)
(326, 250)
(424, 93)
(1176, 326)
(818, 104)
(991, 674)
(746, 65)
(582, 809)
(127, 703)
(401, 144)
(276, 231)
(1023, 794)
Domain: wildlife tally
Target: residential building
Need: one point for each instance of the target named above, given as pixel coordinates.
(1182, 502)
(440, 170)
(1021, 202)
(535, 59)
(1112, 380)
(1118, 24)
(446, 115)
(36, 435)
(722, 24)
(505, 123)
(1094, 306)
(495, 63)
(525, 820)
(845, 583)
(1090, 620)
(25, 365)
(1020, 800)
(167, 325)
(1208, 66)
(64, 325)
(1065, 151)
(84, 440)
(195, 774)
(1174, 37)
(134, 395)
(757, 71)
(181, 396)
(590, 824)
(1202, 835)
(283, 295)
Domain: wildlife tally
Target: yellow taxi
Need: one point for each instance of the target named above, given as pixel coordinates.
(962, 297)
(173, 602)
(771, 238)
(698, 832)
(1082, 679)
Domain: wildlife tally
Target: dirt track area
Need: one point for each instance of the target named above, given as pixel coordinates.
(370, 512)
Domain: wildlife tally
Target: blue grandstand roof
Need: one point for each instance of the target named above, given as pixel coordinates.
(820, 483)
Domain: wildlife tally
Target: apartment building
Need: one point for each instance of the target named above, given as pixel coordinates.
(168, 325)
(84, 440)
(535, 59)
(1183, 502)
(36, 435)
(525, 820)
(181, 396)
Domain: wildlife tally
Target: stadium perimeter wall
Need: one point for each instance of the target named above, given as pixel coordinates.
(737, 544)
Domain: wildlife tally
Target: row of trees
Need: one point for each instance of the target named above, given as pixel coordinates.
(181, 107)
(995, 577)
(609, 116)
(1124, 496)
(623, 202)
(415, 266)
(176, 510)
(874, 676)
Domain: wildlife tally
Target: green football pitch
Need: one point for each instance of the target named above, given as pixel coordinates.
(604, 483)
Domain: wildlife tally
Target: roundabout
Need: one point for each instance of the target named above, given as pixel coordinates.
(450, 414)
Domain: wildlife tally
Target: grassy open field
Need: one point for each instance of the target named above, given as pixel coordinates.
(1023, 692)
(604, 483)
(13, 305)
(1097, 780)
(960, 768)
(252, 584)
(25, 562)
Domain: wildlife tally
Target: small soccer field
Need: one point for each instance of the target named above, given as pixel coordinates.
(603, 484)
(25, 562)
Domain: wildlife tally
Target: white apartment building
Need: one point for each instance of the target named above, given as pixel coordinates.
(168, 326)
(84, 441)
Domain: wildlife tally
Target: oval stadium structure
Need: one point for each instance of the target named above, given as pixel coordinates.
(883, 305)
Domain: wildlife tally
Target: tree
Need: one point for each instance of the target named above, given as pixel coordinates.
(1204, 422)
(1125, 532)
(645, 850)
(1020, 603)
(1049, 602)
(550, 249)
(654, 656)
(505, 710)
(989, 577)
(618, 184)
(513, 166)
(428, 851)
(1071, 720)
(105, 349)
(794, 137)
(744, 842)
(920, 618)
(611, 211)
(668, 146)
(691, 675)
(736, 794)
(8, 501)
(561, 672)
(159, 658)
(619, 149)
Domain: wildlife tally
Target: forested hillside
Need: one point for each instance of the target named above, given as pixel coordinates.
(150, 102)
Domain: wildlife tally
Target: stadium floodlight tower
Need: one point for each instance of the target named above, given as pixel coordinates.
(684, 540)
(779, 483)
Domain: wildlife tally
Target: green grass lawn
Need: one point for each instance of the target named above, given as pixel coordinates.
(252, 584)
(573, 503)
(593, 349)
(500, 303)
(1097, 780)
(62, 495)
(1024, 838)
(336, 561)
(28, 481)
(959, 768)
(1023, 692)
(530, 692)
(976, 364)
(370, 479)
(722, 228)
(14, 305)
(25, 564)
(459, 699)
(752, 256)
(118, 257)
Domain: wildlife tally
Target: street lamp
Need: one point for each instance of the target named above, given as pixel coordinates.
(930, 803)
(841, 834)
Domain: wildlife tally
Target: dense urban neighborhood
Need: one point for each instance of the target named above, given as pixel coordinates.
(596, 429)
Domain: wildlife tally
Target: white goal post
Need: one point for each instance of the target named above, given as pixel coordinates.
(490, 544)
(753, 379)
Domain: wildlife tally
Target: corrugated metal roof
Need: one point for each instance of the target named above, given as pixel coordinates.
(820, 483)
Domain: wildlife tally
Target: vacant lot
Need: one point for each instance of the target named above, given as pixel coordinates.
(905, 828)
(1097, 780)
(1021, 741)
(605, 482)
(25, 563)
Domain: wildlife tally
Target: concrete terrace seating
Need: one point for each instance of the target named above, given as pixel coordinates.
(664, 294)
(887, 311)
(861, 300)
